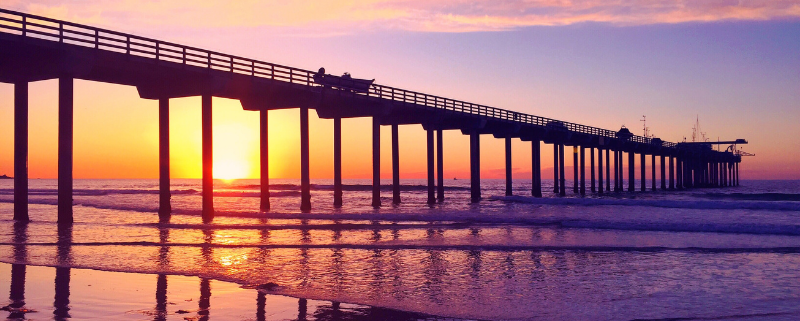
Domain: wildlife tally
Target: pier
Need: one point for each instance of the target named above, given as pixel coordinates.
(35, 48)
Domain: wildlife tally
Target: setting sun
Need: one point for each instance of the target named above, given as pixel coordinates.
(230, 169)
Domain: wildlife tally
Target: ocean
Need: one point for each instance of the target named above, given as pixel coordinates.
(700, 254)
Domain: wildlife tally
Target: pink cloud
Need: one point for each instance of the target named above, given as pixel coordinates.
(414, 15)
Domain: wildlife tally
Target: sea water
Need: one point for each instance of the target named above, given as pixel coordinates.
(710, 253)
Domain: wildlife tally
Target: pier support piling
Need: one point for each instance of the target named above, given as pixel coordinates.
(725, 179)
(208, 160)
(720, 172)
(21, 151)
(264, 158)
(608, 170)
(305, 177)
(575, 169)
(439, 166)
(562, 187)
(431, 187)
(396, 163)
(730, 174)
(65, 135)
(671, 173)
(600, 171)
(509, 191)
(337, 162)
(663, 173)
(376, 162)
(555, 168)
(164, 206)
(643, 167)
(475, 166)
(617, 182)
(653, 171)
(583, 170)
(591, 169)
(631, 172)
(726, 174)
(727, 168)
(536, 170)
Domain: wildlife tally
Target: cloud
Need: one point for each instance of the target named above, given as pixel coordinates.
(336, 16)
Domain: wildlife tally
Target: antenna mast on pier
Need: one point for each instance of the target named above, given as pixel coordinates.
(645, 129)
(696, 133)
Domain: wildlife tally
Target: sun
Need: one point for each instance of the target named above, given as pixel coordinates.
(229, 170)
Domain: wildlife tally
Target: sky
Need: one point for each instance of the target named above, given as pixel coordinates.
(731, 64)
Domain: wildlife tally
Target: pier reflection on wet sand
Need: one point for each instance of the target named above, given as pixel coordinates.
(164, 308)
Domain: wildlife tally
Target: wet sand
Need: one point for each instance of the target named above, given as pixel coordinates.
(42, 293)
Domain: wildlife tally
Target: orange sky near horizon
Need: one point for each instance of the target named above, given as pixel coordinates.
(116, 136)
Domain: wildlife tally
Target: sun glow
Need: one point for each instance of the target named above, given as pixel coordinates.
(231, 169)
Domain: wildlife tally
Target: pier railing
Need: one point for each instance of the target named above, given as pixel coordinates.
(60, 31)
